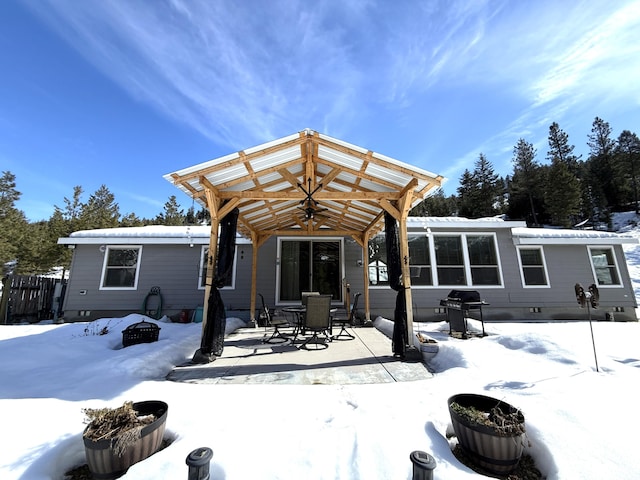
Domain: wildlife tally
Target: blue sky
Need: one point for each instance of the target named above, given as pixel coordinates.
(120, 92)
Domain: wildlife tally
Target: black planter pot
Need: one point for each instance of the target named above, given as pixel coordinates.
(497, 453)
(105, 463)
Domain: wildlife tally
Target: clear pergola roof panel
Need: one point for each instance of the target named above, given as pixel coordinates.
(263, 182)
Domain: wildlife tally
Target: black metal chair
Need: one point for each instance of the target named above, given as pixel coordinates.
(265, 314)
(317, 319)
(350, 320)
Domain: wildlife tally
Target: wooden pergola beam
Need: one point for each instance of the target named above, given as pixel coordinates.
(357, 187)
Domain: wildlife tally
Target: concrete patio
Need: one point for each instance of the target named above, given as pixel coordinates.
(246, 359)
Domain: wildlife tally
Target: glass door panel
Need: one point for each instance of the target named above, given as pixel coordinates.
(310, 265)
(326, 269)
(294, 269)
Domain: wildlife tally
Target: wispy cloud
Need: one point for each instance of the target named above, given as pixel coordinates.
(250, 71)
(231, 70)
(558, 62)
(589, 53)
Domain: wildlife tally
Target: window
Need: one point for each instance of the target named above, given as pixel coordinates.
(604, 266)
(442, 260)
(483, 260)
(202, 277)
(419, 260)
(313, 265)
(378, 273)
(120, 268)
(532, 267)
(449, 260)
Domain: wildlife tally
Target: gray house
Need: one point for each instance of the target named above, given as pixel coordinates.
(311, 210)
(522, 273)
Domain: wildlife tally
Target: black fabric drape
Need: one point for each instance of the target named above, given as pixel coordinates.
(394, 269)
(213, 336)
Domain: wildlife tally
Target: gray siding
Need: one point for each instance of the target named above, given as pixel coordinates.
(174, 268)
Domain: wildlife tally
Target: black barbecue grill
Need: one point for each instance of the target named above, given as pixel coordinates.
(459, 305)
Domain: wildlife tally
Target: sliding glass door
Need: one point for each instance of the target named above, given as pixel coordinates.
(310, 266)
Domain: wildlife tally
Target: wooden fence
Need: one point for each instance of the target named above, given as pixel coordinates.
(29, 298)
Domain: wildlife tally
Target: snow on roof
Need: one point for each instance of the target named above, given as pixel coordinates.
(462, 222)
(150, 234)
(524, 236)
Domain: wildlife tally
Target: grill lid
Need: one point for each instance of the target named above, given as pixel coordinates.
(464, 296)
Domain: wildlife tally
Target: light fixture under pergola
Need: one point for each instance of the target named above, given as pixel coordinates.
(310, 206)
(266, 183)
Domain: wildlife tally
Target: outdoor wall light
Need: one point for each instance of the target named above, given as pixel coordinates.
(359, 263)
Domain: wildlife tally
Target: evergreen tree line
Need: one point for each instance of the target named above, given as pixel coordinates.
(566, 191)
(31, 248)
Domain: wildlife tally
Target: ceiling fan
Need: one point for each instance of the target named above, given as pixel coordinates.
(310, 206)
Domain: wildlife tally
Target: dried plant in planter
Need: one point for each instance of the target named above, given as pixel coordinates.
(425, 339)
(504, 424)
(121, 423)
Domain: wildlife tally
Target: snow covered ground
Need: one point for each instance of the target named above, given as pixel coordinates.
(577, 423)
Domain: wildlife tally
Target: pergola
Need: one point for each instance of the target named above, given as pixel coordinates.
(270, 182)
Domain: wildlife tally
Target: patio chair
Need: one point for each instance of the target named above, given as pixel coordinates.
(318, 320)
(305, 295)
(265, 314)
(303, 299)
(350, 320)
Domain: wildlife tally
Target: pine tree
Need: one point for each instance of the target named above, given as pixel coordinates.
(203, 217)
(101, 210)
(13, 222)
(563, 194)
(172, 214)
(627, 156)
(59, 227)
(34, 251)
(436, 205)
(561, 151)
(525, 186)
(131, 220)
(602, 178)
(481, 191)
(190, 217)
(466, 193)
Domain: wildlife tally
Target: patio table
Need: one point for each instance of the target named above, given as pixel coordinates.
(298, 311)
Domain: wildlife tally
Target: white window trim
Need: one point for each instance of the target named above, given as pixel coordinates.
(104, 266)
(544, 265)
(615, 263)
(465, 259)
(468, 262)
(201, 285)
(340, 240)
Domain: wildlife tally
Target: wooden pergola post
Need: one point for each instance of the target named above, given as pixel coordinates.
(404, 205)
(254, 276)
(257, 241)
(213, 204)
(349, 188)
